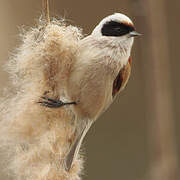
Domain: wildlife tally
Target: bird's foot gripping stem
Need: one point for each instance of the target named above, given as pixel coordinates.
(52, 103)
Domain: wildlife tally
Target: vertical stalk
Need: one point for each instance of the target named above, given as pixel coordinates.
(158, 90)
(45, 5)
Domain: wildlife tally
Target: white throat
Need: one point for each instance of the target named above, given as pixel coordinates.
(118, 48)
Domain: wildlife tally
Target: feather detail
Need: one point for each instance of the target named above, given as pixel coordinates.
(122, 78)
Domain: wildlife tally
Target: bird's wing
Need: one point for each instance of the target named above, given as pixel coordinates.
(122, 78)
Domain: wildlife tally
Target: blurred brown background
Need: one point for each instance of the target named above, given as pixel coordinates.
(136, 137)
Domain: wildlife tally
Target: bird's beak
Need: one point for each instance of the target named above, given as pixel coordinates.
(134, 33)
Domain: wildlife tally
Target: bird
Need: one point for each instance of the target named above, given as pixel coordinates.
(100, 71)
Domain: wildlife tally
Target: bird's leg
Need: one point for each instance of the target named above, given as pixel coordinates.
(52, 103)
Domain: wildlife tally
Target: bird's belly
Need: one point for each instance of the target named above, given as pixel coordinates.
(93, 96)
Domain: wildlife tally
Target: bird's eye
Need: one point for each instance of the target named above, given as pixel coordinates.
(113, 28)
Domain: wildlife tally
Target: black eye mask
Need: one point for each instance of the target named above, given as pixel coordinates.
(113, 28)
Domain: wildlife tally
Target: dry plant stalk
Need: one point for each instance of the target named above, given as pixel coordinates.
(45, 5)
(36, 139)
(164, 155)
(163, 148)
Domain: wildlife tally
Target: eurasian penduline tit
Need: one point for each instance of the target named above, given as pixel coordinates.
(100, 71)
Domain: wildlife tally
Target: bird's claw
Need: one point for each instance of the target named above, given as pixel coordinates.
(53, 103)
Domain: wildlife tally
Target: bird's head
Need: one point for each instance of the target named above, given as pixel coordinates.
(117, 26)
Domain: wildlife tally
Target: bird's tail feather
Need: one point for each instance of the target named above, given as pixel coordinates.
(74, 149)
